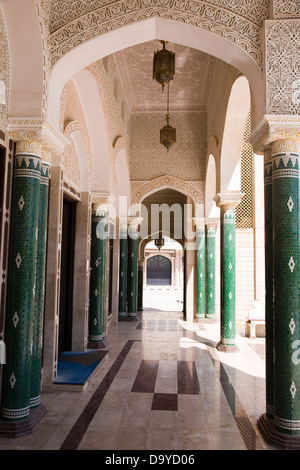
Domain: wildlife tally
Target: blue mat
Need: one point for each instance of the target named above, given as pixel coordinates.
(75, 367)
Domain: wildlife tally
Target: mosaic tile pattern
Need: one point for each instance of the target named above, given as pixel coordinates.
(132, 275)
(210, 267)
(16, 391)
(285, 185)
(200, 312)
(269, 284)
(37, 343)
(228, 278)
(123, 275)
(97, 312)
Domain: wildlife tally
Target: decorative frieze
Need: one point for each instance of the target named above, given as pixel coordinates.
(238, 22)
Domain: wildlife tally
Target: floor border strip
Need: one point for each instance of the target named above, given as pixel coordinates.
(78, 430)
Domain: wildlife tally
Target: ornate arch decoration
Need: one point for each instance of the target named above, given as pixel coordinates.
(238, 22)
(194, 189)
(141, 189)
(101, 31)
(120, 157)
(75, 136)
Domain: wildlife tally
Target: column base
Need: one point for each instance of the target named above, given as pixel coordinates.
(24, 427)
(97, 344)
(122, 314)
(273, 437)
(225, 348)
(129, 318)
(205, 320)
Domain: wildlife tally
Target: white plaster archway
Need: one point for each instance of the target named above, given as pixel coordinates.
(95, 119)
(123, 182)
(146, 30)
(211, 210)
(26, 58)
(73, 131)
(237, 113)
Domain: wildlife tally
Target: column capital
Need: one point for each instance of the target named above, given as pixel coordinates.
(199, 222)
(38, 131)
(211, 222)
(134, 222)
(133, 226)
(228, 200)
(272, 128)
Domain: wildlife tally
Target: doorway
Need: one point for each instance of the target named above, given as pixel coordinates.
(67, 275)
(159, 271)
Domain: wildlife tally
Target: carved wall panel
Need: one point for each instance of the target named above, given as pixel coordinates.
(283, 66)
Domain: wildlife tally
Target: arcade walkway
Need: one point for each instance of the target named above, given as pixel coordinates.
(162, 386)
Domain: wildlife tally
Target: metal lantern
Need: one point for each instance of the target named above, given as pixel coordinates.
(163, 65)
(159, 242)
(167, 133)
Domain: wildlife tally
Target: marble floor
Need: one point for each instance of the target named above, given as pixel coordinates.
(162, 386)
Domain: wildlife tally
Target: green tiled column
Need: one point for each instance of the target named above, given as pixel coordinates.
(16, 391)
(285, 194)
(200, 254)
(132, 270)
(228, 203)
(123, 270)
(37, 343)
(210, 270)
(269, 283)
(97, 314)
(140, 283)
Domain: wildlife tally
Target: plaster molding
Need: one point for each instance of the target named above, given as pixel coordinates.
(272, 128)
(228, 200)
(37, 130)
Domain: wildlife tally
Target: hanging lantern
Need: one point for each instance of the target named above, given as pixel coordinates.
(163, 65)
(167, 133)
(159, 242)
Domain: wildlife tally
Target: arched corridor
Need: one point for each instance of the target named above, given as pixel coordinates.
(150, 272)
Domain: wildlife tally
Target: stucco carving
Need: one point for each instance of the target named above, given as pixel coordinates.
(43, 11)
(186, 159)
(193, 189)
(4, 73)
(286, 8)
(283, 66)
(272, 128)
(75, 22)
(71, 158)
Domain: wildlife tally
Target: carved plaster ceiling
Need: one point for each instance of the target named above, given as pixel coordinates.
(189, 91)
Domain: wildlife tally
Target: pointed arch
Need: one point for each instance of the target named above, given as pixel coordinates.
(137, 32)
(95, 119)
(237, 113)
